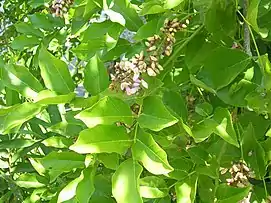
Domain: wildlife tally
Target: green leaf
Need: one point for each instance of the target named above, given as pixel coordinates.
(265, 65)
(253, 152)
(45, 22)
(152, 7)
(111, 139)
(228, 194)
(29, 181)
(186, 189)
(110, 161)
(231, 63)
(169, 4)
(224, 127)
(176, 103)
(221, 19)
(57, 163)
(149, 29)
(182, 166)
(253, 18)
(128, 11)
(24, 41)
(20, 79)
(46, 97)
(55, 73)
(204, 109)
(16, 143)
(85, 187)
(16, 115)
(121, 47)
(106, 111)
(96, 78)
(69, 191)
(206, 189)
(153, 187)
(126, 177)
(155, 115)
(57, 142)
(152, 156)
(203, 130)
(28, 29)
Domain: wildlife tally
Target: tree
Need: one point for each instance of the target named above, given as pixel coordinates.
(134, 101)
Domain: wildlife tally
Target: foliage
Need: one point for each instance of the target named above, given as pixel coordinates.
(178, 112)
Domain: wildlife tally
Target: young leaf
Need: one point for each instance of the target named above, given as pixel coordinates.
(155, 115)
(55, 73)
(106, 111)
(152, 156)
(111, 139)
(253, 152)
(16, 115)
(96, 77)
(153, 187)
(128, 11)
(186, 189)
(85, 187)
(20, 79)
(228, 194)
(126, 177)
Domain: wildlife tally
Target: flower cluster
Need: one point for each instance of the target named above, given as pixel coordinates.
(239, 173)
(169, 29)
(61, 7)
(128, 73)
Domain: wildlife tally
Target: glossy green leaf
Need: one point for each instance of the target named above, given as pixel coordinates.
(149, 29)
(23, 41)
(153, 187)
(126, 177)
(69, 191)
(57, 163)
(128, 11)
(57, 142)
(206, 188)
(224, 126)
(152, 7)
(106, 111)
(203, 130)
(204, 109)
(152, 156)
(109, 160)
(16, 115)
(121, 47)
(155, 115)
(28, 29)
(228, 194)
(253, 152)
(169, 4)
(96, 78)
(20, 79)
(29, 181)
(186, 189)
(85, 187)
(111, 139)
(45, 22)
(46, 97)
(231, 63)
(16, 143)
(55, 73)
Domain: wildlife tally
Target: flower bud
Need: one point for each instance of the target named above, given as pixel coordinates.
(151, 72)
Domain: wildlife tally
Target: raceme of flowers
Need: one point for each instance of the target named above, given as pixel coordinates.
(128, 72)
(60, 7)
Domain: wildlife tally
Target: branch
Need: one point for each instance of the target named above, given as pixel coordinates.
(246, 30)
